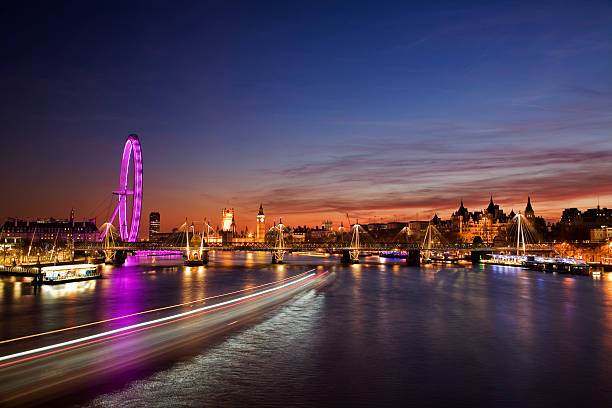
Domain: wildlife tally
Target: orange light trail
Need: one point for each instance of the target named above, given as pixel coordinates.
(163, 323)
(151, 310)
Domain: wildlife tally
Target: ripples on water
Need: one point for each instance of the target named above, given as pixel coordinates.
(376, 335)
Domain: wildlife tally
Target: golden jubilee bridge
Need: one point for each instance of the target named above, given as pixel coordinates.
(413, 254)
(118, 242)
(278, 244)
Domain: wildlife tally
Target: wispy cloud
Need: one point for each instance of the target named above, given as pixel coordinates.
(432, 172)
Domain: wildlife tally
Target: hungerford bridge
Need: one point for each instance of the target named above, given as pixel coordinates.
(127, 239)
(413, 254)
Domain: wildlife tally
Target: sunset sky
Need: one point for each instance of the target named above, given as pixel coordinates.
(379, 109)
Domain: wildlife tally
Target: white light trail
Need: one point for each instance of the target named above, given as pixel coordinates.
(150, 322)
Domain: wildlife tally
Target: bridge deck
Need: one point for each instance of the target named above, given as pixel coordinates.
(139, 246)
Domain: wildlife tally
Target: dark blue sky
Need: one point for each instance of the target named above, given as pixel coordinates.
(377, 109)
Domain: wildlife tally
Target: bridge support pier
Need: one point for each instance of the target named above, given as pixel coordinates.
(118, 258)
(414, 257)
(476, 256)
(205, 257)
(347, 258)
(277, 257)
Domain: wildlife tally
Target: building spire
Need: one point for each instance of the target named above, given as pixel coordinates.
(491, 208)
(528, 209)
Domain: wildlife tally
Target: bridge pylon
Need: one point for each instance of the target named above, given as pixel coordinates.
(278, 252)
(351, 254)
(112, 255)
(195, 257)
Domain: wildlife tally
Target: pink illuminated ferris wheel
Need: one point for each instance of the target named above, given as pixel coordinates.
(134, 189)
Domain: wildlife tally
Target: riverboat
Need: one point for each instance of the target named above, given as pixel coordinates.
(506, 260)
(393, 254)
(445, 258)
(557, 265)
(66, 273)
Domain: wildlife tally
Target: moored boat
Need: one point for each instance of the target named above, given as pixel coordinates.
(506, 260)
(66, 273)
(558, 265)
(445, 258)
(393, 254)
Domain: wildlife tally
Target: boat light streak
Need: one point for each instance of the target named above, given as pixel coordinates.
(151, 310)
(154, 323)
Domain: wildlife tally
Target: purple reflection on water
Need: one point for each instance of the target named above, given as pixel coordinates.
(164, 252)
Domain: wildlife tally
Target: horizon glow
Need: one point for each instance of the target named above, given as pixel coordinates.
(392, 112)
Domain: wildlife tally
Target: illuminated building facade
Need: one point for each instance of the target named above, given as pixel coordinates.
(228, 226)
(50, 229)
(154, 225)
(227, 219)
(260, 232)
(602, 234)
(487, 226)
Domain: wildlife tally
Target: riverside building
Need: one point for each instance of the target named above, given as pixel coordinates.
(50, 229)
(154, 225)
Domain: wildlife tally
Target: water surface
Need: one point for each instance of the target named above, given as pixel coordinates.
(374, 335)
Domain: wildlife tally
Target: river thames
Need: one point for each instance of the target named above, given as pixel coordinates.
(365, 335)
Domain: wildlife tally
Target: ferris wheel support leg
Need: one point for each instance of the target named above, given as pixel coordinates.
(112, 218)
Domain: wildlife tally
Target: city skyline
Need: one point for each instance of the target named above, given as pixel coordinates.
(324, 203)
(314, 111)
(221, 221)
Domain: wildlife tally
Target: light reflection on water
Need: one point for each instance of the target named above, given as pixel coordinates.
(211, 377)
(377, 335)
